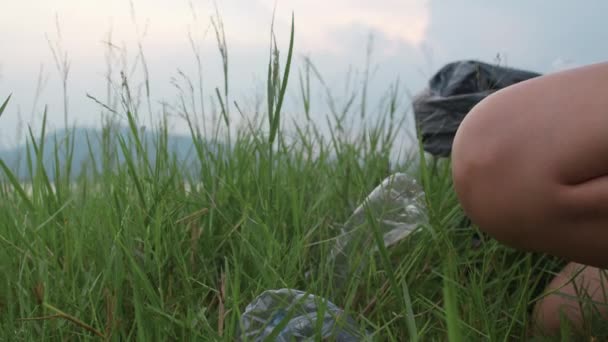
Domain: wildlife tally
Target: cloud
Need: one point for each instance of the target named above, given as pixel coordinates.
(528, 34)
(399, 21)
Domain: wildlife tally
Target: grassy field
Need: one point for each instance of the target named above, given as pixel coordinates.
(132, 251)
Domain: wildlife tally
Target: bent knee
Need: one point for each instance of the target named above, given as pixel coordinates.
(480, 159)
(495, 184)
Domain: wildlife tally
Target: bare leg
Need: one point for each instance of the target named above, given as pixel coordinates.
(577, 287)
(530, 167)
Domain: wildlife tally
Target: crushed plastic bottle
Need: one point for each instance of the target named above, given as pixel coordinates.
(397, 205)
(264, 314)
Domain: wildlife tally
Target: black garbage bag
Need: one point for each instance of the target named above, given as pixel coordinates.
(451, 93)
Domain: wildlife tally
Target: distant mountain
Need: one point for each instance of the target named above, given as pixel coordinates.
(87, 142)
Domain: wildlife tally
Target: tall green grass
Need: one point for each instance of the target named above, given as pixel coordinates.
(154, 249)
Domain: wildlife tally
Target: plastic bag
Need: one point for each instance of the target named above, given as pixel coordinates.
(451, 93)
(263, 315)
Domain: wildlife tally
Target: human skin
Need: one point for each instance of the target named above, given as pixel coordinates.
(530, 166)
(573, 293)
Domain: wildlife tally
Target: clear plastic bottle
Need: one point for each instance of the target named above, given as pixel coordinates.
(264, 314)
(397, 206)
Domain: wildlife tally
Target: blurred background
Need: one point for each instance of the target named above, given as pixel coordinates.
(87, 43)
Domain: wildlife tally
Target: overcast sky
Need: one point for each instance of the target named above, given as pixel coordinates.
(412, 39)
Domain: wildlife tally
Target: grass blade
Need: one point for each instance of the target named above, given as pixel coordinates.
(450, 301)
(16, 185)
(5, 104)
(276, 119)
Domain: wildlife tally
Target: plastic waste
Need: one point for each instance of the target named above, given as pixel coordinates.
(396, 208)
(396, 205)
(451, 93)
(265, 313)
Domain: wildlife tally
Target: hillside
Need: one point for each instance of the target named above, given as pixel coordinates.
(87, 142)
